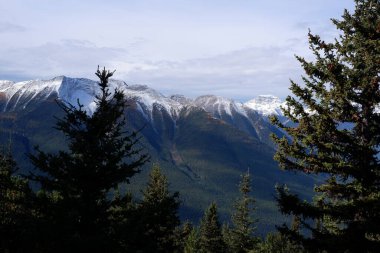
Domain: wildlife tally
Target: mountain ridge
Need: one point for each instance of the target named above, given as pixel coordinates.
(250, 117)
(69, 89)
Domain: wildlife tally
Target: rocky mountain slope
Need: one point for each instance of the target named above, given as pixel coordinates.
(202, 144)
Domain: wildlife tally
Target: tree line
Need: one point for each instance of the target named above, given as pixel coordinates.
(79, 205)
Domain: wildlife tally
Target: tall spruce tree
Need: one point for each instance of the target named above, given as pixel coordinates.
(182, 234)
(337, 136)
(210, 232)
(159, 214)
(240, 237)
(76, 183)
(191, 242)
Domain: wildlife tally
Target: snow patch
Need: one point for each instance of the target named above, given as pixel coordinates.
(266, 105)
(72, 90)
(219, 105)
(148, 98)
(24, 92)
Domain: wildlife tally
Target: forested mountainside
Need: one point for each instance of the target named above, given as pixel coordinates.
(202, 144)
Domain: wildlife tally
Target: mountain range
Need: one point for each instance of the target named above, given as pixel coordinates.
(202, 144)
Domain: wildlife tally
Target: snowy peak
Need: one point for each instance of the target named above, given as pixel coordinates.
(73, 89)
(148, 99)
(218, 105)
(213, 103)
(30, 87)
(182, 99)
(70, 90)
(22, 93)
(266, 105)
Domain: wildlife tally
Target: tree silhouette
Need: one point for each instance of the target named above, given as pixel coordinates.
(75, 184)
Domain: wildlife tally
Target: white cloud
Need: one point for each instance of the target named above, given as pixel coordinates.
(237, 49)
(240, 74)
(68, 57)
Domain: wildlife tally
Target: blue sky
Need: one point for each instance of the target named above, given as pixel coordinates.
(237, 49)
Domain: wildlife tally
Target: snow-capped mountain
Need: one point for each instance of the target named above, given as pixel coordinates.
(266, 105)
(160, 111)
(148, 100)
(70, 90)
(19, 95)
(203, 144)
(219, 105)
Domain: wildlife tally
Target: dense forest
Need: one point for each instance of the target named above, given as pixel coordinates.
(73, 202)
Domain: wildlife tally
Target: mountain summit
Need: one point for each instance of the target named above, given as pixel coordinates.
(266, 105)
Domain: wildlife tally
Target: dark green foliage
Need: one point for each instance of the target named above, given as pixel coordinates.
(75, 184)
(159, 214)
(277, 243)
(125, 223)
(337, 134)
(240, 237)
(188, 238)
(16, 217)
(210, 232)
(191, 242)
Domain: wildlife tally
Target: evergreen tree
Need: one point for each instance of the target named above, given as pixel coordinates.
(210, 232)
(125, 221)
(278, 243)
(241, 237)
(159, 211)
(16, 219)
(337, 135)
(191, 243)
(76, 183)
(182, 234)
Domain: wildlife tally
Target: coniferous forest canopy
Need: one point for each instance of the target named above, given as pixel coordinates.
(78, 199)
